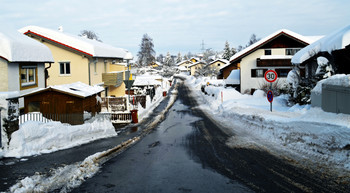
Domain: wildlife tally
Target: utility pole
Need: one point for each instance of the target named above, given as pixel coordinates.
(202, 46)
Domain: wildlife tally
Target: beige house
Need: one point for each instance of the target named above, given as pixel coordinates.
(22, 64)
(195, 67)
(217, 64)
(272, 52)
(81, 59)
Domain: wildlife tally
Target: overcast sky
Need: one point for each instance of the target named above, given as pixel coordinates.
(178, 25)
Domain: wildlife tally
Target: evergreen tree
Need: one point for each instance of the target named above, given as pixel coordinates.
(252, 40)
(179, 58)
(233, 51)
(146, 55)
(227, 51)
(168, 59)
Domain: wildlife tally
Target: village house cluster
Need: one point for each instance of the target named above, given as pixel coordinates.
(295, 58)
(62, 76)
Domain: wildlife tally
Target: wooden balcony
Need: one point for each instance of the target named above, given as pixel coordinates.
(113, 78)
(273, 62)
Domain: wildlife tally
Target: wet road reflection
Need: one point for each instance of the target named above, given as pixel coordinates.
(161, 162)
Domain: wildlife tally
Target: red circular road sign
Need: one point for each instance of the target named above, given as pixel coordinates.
(270, 76)
(270, 96)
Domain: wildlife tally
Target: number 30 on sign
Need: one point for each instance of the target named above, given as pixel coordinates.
(271, 76)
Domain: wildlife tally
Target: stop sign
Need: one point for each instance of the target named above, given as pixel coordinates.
(270, 76)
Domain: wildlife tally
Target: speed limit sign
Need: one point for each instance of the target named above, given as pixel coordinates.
(271, 76)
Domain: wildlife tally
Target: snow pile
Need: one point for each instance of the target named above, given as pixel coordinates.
(16, 47)
(334, 41)
(234, 77)
(147, 80)
(337, 80)
(62, 178)
(36, 138)
(303, 131)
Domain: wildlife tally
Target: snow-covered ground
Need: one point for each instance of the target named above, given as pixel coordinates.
(35, 138)
(71, 176)
(305, 132)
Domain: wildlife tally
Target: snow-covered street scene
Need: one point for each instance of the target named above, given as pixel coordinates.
(174, 96)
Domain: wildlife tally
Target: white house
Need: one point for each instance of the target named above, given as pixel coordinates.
(22, 63)
(272, 52)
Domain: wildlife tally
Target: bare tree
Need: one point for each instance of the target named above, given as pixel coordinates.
(90, 35)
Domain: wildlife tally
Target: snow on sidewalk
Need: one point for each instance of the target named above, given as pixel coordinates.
(307, 131)
(35, 138)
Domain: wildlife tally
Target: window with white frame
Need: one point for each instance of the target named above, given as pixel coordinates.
(65, 68)
(28, 75)
(292, 51)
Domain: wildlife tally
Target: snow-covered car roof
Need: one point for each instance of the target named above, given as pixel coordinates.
(16, 47)
(334, 41)
(78, 89)
(84, 45)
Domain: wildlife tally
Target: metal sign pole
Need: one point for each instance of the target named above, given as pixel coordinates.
(271, 101)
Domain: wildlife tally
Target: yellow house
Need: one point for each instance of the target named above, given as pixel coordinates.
(80, 59)
(217, 64)
(195, 67)
(184, 65)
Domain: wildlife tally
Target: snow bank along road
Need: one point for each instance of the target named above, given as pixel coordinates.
(188, 152)
(66, 169)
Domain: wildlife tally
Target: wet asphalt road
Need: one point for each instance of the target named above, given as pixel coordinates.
(187, 153)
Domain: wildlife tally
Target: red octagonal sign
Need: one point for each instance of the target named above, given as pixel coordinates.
(270, 76)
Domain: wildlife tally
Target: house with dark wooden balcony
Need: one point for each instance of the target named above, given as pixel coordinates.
(272, 52)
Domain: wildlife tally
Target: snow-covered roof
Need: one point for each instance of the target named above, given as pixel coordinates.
(194, 64)
(16, 47)
(258, 44)
(182, 68)
(220, 59)
(334, 41)
(78, 89)
(234, 77)
(182, 62)
(147, 80)
(87, 46)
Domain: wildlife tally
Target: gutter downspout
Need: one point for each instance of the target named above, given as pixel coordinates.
(89, 69)
(47, 74)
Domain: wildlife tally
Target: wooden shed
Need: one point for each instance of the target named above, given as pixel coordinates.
(65, 103)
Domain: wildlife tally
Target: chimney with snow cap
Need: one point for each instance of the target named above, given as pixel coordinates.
(60, 28)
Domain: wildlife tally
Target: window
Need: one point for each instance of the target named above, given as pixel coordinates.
(267, 52)
(65, 68)
(218, 64)
(34, 106)
(283, 72)
(258, 73)
(28, 75)
(292, 51)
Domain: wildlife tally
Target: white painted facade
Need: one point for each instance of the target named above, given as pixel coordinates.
(13, 79)
(250, 62)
